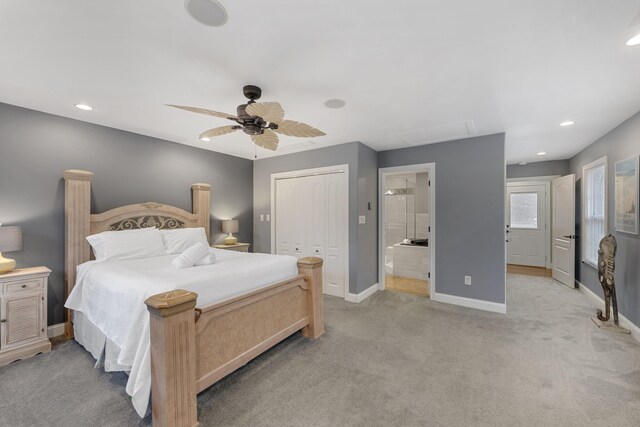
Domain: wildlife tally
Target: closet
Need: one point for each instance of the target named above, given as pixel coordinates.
(311, 219)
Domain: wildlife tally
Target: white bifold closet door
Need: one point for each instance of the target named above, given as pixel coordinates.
(311, 217)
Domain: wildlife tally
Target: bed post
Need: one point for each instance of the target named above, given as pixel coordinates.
(201, 204)
(77, 211)
(173, 359)
(311, 269)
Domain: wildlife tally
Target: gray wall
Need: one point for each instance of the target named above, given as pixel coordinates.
(621, 143)
(362, 263)
(469, 228)
(129, 168)
(368, 206)
(549, 168)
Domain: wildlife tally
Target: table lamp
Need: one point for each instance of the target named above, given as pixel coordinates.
(230, 226)
(10, 240)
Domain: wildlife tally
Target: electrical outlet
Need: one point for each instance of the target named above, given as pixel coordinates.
(362, 219)
(261, 217)
(467, 280)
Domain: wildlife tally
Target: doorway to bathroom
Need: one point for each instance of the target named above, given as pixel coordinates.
(407, 234)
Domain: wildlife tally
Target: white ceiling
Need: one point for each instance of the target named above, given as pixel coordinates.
(409, 71)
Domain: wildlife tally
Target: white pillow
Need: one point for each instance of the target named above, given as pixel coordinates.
(142, 243)
(197, 254)
(179, 240)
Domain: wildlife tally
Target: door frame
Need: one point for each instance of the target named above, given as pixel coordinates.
(326, 170)
(525, 182)
(430, 168)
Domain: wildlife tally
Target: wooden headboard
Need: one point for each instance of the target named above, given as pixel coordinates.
(80, 222)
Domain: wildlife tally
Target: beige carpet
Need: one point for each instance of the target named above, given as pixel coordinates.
(393, 360)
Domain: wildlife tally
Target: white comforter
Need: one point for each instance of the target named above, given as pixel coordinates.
(111, 295)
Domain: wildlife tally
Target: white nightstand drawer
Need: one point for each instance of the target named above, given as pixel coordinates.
(22, 285)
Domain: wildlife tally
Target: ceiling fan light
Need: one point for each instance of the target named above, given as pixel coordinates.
(205, 139)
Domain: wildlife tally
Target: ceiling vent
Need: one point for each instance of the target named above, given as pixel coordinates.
(458, 130)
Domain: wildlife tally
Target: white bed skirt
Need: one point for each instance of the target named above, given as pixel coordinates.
(95, 342)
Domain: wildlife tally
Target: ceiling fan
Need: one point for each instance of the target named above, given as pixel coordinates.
(262, 121)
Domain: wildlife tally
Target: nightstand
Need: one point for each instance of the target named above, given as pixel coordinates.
(23, 311)
(238, 247)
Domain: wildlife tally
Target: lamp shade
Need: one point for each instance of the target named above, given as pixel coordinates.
(230, 225)
(10, 239)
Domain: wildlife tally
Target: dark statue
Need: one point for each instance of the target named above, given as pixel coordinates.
(606, 267)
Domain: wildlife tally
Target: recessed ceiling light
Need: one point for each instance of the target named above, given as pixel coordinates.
(634, 41)
(522, 163)
(205, 139)
(567, 123)
(334, 103)
(207, 12)
(541, 153)
(84, 107)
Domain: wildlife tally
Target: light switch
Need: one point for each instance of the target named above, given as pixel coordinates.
(362, 219)
(261, 217)
(268, 217)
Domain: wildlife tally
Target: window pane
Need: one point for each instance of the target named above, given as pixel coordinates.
(524, 210)
(594, 212)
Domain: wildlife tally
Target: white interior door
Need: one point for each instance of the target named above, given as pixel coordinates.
(526, 225)
(563, 233)
(284, 236)
(337, 214)
(311, 214)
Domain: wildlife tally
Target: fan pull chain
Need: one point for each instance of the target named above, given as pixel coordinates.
(255, 147)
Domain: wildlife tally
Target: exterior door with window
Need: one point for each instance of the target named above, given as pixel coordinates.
(563, 235)
(526, 229)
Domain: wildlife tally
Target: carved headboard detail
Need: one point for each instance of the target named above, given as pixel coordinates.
(80, 223)
(147, 221)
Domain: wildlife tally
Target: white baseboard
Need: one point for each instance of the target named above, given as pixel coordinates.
(599, 303)
(55, 330)
(358, 298)
(494, 307)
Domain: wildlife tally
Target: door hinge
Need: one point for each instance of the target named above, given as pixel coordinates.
(429, 275)
(429, 229)
(429, 183)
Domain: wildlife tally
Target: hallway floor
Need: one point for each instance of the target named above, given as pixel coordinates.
(393, 360)
(407, 284)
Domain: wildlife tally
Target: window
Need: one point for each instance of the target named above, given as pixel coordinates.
(524, 210)
(594, 209)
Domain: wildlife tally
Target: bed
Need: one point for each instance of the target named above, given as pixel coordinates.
(178, 333)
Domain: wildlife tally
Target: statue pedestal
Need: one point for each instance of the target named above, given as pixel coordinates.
(609, 326)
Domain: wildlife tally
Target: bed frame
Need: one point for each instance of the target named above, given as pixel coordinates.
(193, 347)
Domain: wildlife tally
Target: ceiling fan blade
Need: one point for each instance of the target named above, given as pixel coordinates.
(268, 140)
(204, 111)
(299, 129)
(269, 111)
(222, 130)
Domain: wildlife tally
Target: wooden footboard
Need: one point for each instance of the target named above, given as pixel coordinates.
(192, 348)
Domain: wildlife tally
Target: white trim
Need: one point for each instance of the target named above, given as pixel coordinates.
(494, 307)
(55, 330)
(547, 213)
(358, 298)
(583, 192)
(309, 172)
(534, 178)
(599, 303)
(382, 172)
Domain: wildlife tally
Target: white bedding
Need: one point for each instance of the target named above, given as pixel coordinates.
(111, 294)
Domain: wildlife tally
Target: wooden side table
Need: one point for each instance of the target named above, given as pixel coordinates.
(238, 247)
(23, 326)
